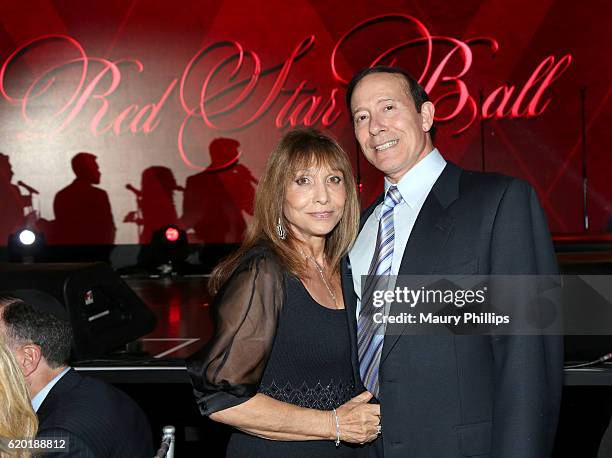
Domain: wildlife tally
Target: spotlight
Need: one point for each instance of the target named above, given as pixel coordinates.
(25, 245)
(168, 249)
(172, 234)
(27, 237)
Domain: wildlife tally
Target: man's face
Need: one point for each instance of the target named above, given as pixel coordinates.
(87, 170)
(392, 134)
(93, 171)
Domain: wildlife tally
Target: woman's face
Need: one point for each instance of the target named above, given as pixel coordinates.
(314, 201)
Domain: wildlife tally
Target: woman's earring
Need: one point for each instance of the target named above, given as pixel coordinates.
(280, 230)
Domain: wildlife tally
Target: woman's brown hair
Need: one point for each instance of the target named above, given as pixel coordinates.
(299, 149)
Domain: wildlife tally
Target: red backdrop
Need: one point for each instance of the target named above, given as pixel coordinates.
(146, 86)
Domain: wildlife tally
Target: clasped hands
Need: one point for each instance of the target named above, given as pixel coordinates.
(359, 421)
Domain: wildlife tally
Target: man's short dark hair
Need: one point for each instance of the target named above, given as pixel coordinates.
(25, 324)
(413, 87)
(81, 161)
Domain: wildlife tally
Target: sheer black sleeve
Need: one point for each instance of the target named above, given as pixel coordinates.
(228, 370)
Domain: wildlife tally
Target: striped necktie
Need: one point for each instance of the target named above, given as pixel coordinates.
(369, 348)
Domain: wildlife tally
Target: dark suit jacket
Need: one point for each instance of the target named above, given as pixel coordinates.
(83, 215)
(453, 396)
(99, 420)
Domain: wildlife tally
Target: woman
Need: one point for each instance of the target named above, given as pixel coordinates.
(17, 419)
(156, 200)
(278, 367)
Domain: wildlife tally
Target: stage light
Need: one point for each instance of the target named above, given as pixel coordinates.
(27, 237)
(172, 234)
(167, 252)
(26, 245)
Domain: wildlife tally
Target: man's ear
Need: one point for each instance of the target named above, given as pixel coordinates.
(427, 115)
(29, 358)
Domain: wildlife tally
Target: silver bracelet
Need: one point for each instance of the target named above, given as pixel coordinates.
(337, 428)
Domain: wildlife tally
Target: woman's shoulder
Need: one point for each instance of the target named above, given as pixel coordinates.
(260, 257)
(257, 267)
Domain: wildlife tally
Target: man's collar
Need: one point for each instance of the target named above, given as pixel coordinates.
(42, 394)
(420, 178)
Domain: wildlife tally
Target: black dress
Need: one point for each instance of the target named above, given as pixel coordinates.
(279, 342)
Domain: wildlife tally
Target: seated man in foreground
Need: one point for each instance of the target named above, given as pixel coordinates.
(97, 419)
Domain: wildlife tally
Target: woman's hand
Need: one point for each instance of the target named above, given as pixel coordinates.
(359, 421)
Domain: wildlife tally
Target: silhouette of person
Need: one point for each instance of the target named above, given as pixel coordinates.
(12, 202)
(216, 197)
(82, 211)
(157, 200)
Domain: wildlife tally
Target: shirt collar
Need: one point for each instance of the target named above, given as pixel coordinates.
(417, 182)
(42, 394)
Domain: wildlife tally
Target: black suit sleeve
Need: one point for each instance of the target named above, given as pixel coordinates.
(528, 370)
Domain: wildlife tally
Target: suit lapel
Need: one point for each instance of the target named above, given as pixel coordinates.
(350, 302)
(428, 237)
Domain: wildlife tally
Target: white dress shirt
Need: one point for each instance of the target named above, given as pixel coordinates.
(414, 187)
(42, 394)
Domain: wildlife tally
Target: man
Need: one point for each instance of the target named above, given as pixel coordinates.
(82, 211)
(446, 396)
(215, 199)
(97, 419)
